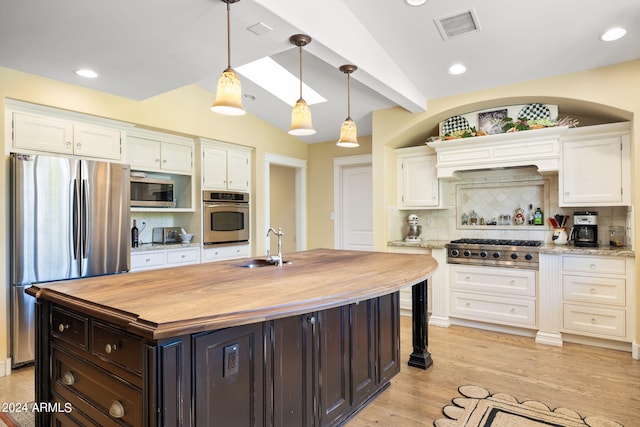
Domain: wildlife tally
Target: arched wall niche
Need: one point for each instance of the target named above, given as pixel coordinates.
(588, 113)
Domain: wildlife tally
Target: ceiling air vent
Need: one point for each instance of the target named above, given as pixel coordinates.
(458, 25)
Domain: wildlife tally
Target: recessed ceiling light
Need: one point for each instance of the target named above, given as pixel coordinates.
(613, 34)
(457, 69)
(415, 2)
(87, 73)
(275, 79)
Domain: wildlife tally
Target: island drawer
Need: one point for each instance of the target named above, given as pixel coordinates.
(117, 347)
(69, 327)
(94, 392)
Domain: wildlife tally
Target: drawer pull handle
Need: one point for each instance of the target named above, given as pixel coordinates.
(513, 310)
(183, 256)
(592, 266)
(467, 278)
(147, 260)
(593, 320)
(312, 320)
(513, 282)
(110, 348)
(116, 410)
(62, 327)
(593, 290)
(468, 304)
(68, 378)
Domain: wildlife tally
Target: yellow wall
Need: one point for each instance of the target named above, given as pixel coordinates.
(182, 111)
(320, 188)
(612, 92)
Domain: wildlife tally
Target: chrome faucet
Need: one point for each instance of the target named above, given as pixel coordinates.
(278, 258)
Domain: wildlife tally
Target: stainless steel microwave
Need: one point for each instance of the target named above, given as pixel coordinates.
(152, 192)
(225, 217)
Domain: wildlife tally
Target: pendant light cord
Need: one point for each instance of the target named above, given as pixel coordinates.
(300, 47)
(228, 35)
(349, 94)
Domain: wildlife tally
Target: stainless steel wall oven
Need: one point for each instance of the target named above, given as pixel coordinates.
(225, 217)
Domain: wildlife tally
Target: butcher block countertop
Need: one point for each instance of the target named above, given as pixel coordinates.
(183, 300)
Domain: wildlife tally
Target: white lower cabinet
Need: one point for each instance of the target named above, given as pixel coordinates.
(406, 306)
(497, 295)
(221, 253)
(597, 296)
(163, 258)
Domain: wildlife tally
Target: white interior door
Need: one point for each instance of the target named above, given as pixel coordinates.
(353, 216)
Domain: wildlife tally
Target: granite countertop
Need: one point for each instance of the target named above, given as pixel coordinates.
(548, 248)
(428, 244)
(160, 247)
(624, 251)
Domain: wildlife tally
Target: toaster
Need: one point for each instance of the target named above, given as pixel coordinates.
(166, 235)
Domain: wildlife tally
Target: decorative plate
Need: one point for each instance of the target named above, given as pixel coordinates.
(535, 111)
(453, 124)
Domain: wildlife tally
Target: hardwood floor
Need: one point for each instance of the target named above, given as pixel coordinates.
(591, 381)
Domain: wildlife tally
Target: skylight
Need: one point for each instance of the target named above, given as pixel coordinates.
(275, 79)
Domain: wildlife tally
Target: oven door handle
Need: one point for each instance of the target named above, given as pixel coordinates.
(225, 205)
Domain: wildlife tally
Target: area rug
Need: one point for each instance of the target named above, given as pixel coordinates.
(17, 419)
(479, 408)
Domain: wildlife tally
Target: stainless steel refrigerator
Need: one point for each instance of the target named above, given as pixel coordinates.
(69, 219)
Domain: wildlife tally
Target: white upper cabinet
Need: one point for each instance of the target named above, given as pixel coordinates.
(54, 135)
(418, 183)
(596, 166)
(160, 153)
(225, 167)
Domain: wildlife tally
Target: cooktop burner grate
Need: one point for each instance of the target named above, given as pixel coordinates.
(500, 242)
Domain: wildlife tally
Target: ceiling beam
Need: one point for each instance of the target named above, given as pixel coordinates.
(339, 38)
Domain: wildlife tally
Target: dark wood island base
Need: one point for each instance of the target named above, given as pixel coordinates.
(309, 356)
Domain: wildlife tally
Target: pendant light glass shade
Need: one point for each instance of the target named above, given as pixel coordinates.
(348, 130)
(229, 91)
(301, 119)
(301, 114)
(348, 134)
(229, 95)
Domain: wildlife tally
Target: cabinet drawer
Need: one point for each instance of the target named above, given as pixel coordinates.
(147, 259)
(95, 392)
(592, 264)
(509, 311)
(605, 290)
(609, 322)
(503, 281)
(220, 253)
(70, 327)
(184, 256)
(116, 347)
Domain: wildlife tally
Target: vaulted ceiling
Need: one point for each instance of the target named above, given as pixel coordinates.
(143, 48)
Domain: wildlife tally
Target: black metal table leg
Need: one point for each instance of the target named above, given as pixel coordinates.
(420, 358)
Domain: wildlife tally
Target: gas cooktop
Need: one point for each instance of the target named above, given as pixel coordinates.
(494, 252)
(500, 242)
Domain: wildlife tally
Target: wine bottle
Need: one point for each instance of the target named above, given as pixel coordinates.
(134, 235)
(538, 218)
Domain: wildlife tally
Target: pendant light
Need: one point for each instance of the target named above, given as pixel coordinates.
(348, 131)
(301, 114)
(229, 92)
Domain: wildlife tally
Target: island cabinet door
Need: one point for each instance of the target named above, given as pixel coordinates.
(293, 382)
(228, 377)
(388, 334)
(334, 365)
(363, 345)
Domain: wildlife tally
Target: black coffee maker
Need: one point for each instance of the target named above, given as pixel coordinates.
(585, 229)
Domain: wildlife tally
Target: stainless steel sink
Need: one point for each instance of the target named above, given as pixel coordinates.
(256, 263)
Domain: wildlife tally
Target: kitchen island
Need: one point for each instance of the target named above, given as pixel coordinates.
(308, 343)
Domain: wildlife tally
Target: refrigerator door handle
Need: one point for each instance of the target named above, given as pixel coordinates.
(76, 219)
(85, 218)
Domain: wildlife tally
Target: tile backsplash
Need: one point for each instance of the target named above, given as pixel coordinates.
(491, 193)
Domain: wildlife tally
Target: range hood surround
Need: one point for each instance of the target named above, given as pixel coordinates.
(539, 148)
